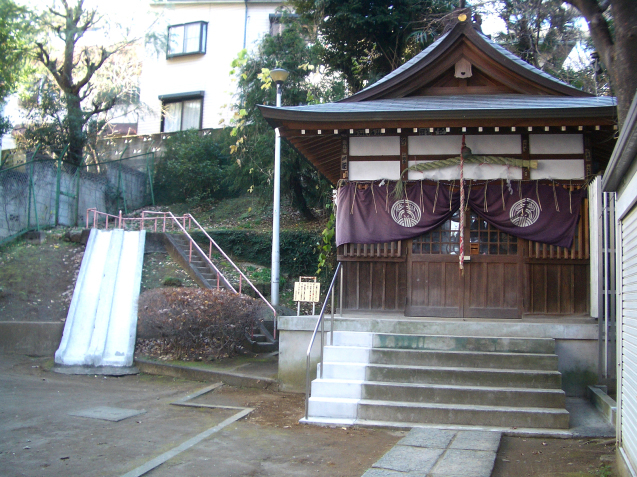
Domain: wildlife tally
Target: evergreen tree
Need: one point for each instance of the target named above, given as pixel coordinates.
(253, 138)
(364, 40)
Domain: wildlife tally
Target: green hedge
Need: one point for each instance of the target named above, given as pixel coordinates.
(298, 249)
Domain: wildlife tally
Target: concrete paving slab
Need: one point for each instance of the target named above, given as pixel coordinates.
(464, 463)
(97, 370)
(409, 459)
(586, 420)
(391, 473)
(107, 413)
(477, 440)
(432, 438)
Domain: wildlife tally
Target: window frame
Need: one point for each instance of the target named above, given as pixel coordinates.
(203, 40)
(181, 98)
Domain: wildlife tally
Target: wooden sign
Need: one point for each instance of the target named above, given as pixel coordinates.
(307, 292)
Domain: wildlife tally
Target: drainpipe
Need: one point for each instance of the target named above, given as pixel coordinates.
(245, 25)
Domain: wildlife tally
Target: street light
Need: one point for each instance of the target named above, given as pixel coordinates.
(278, 75)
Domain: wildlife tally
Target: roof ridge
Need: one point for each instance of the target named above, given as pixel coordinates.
(457, 32)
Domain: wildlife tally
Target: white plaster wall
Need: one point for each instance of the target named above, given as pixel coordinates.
(374, 146)
(556, 143)
(208, 72)
(374, 170)
(471, 171)
(490, 144)
(559, 169)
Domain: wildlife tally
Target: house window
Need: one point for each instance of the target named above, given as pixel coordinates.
(181, 111)
(187, 39)
(277, 23)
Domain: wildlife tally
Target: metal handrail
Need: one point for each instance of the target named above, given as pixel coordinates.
(212, 242)
(120, 222)
(320, 322)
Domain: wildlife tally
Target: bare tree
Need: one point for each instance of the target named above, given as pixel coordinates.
(74, 68)
(613, 28)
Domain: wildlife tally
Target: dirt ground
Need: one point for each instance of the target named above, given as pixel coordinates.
(37, 280)
(39, 437)
(523, 456)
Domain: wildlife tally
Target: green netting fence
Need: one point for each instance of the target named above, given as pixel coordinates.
(46, 191)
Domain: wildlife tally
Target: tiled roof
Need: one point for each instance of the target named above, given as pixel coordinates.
(436, 105)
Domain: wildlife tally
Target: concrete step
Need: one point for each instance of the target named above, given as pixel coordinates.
(360, 354)
(464, 359)
(436, 393)
(465, 376)
(441, 414)
(464, 343)
(430, 413)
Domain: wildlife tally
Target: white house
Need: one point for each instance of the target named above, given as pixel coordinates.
(191, 80)
(621, 177)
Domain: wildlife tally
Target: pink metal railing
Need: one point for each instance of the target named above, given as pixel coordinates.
(129, 223)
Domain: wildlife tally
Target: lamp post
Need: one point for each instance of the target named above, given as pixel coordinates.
(278, 75)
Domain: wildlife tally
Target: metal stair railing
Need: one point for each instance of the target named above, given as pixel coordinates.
(168, 218)
(320, 322)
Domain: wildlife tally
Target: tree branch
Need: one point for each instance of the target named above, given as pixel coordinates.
(598, 27)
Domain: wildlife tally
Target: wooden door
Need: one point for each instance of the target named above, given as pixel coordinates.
(493, 274)
(491, 286)
(434, 286)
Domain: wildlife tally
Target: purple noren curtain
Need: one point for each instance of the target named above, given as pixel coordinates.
(538, 212)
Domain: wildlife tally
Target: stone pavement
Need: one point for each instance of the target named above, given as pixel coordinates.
(427, 452)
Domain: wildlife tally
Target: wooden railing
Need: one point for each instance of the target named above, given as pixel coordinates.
(371, 250)
(580, 249)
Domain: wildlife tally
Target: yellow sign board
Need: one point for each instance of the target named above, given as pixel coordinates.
(307, 291)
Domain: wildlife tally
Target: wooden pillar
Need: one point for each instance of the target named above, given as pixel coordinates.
(526, 155)
(404, 155)
(345, 157)
(588, 156)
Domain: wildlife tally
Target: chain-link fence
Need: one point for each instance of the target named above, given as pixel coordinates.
(45, 192)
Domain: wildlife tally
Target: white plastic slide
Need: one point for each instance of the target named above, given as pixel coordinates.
(102, 320)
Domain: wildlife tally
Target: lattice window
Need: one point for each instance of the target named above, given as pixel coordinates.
(443, 240)
(485, 239)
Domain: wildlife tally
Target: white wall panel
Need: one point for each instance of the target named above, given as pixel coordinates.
(559, 169)
(556, 143)
(489, 144)
(374, 170)
(471, 171)
(627, 301)
(422, 145)
(374, 146)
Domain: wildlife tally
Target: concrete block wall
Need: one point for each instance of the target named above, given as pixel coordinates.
(14, 195)
(96, 190)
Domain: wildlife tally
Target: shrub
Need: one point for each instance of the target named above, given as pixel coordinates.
(191, 168)
(171, 282)
(299, 253)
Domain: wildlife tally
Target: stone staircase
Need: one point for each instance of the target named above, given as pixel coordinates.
(200, 270)
(394, 379)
